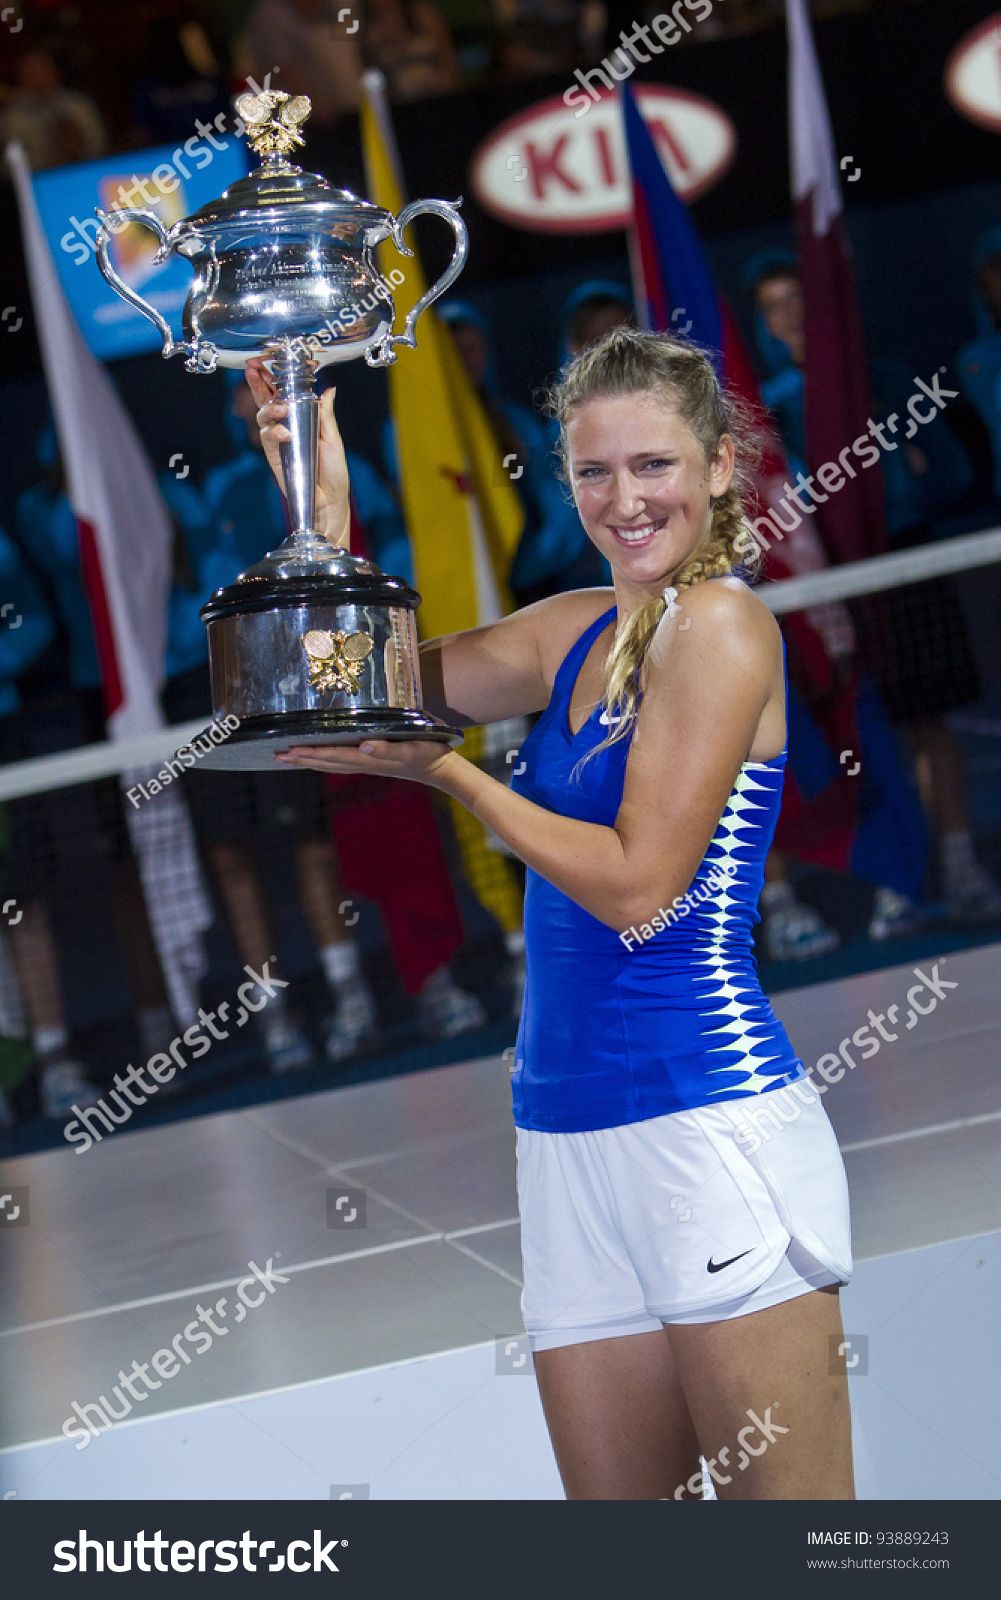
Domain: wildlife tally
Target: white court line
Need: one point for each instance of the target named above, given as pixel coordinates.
(333, 1170)
(359, 1161)
(482, 1227)
(266, 1394)
(231, 1283)
(439, 1237)
(484, 1261)
(922, 1133)
(238, 1400)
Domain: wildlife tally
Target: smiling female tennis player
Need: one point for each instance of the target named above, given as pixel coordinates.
(681, 1295)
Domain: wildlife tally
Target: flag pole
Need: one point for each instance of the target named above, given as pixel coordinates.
(640, 301)
(373, 85)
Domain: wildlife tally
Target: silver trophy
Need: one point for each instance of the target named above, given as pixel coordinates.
(311, 645)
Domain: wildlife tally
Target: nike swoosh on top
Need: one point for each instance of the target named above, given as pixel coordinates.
(717, 1266)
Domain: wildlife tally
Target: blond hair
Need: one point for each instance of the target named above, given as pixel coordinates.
(628, 361)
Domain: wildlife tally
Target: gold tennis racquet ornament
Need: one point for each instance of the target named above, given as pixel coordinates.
(335, 659)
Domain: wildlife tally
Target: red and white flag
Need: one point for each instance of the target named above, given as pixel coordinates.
(837, 402)
(126, 543)
(125, 532)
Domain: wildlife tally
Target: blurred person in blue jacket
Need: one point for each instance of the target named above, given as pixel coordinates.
(46, 527)
(30, 857)
(979, 362)
(931, 669)
(26, 627)
(590, 311)
(182, 79)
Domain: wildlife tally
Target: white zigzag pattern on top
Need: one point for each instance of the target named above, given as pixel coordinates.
(746, 1039)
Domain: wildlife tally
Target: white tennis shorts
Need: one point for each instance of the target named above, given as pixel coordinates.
(679, 1218)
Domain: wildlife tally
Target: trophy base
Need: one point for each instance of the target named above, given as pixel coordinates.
(252, 746)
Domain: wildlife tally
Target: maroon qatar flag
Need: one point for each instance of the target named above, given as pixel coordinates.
(836, 399)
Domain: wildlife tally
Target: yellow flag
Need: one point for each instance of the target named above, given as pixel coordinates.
(463, 515)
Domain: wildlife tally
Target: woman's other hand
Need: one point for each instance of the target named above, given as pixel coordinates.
(426, 761)
(333, 490)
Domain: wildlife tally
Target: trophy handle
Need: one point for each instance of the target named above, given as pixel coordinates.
(200, 358)
(383, 354)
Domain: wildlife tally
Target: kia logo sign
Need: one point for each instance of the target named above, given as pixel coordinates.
(973, 75)
(551, 171)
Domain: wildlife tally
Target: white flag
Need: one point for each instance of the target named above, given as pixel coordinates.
(126, 542)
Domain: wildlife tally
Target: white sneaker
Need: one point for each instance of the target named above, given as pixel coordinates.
(286, 1045)
(354, 1025)
(893, 916)
(446, 1009)
(63, 1086)
(157, 1031)
(797, 933)
(973, 896)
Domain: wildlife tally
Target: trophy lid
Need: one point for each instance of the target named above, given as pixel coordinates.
(273, 119)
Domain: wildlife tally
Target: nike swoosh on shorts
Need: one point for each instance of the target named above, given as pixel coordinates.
(717, 1266)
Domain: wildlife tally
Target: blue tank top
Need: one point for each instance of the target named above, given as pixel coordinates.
(610, 1033)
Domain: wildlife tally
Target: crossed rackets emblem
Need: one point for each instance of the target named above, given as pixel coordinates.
(335, 659)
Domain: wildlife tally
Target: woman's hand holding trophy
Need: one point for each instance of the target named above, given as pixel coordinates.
(333, 493)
